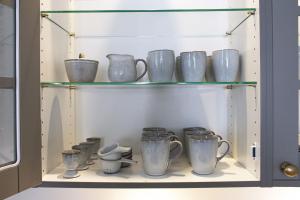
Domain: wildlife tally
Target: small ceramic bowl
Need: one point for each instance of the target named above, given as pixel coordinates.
(114, 166)
(81, 70)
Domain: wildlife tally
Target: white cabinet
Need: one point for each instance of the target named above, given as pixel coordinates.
(117, 112)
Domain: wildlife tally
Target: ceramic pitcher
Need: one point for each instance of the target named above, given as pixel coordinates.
(123, 68)
(203, 153)
(157, 154)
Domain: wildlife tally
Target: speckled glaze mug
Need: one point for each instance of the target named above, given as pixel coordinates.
(203, 153)
(189, 132)
(193, 66)
(161, 64)
(226, 65)
(157, 155)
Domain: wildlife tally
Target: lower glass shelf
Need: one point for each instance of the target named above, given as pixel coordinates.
(68, 84)
(227, 170)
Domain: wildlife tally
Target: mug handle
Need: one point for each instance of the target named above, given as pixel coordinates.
(227, 150)
(176, 152)
(220, 137)
(146, 68)
(173, 136)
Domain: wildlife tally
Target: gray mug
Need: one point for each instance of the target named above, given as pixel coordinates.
(158, 131)
(226, 65)
(161, 64)
(189, 132)
(157, 155)
(193, 66)
(203, 153)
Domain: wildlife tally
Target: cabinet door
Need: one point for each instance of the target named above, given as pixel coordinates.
(19, 96)
(286, 86)
(9, 113)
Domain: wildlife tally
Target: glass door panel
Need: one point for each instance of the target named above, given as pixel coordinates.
(7, 38)
(7, 127)
(8, 138)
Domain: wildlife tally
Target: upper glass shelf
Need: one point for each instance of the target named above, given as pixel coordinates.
(68, 84)
(151, 10)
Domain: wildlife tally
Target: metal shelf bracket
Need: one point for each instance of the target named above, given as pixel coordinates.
(46, 16)
(250, 13)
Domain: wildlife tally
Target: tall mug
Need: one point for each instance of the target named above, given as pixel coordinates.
(161, 64)
(226, 65)
(203, 153)
(157, 154)
(193, 66)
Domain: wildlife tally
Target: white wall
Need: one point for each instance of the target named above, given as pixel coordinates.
(151, 194)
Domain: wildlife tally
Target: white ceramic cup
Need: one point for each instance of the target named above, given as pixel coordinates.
(161, 64)
(203, 153)
(226, 65)
(157, 154)
(193, 66)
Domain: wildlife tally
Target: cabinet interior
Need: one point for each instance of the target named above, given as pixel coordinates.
(117, 113)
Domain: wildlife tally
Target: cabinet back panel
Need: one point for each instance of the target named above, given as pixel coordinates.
(119, 115)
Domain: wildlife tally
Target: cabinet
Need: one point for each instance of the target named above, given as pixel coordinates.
(252, 113)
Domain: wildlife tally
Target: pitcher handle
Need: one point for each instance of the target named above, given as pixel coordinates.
(175, 153)
(146, 68)
(227, 149)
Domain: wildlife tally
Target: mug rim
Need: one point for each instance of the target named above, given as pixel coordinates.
(116, 54)
(71, 152)
(86, 143)
(195, 128)
(185, 52)
(226, 50)
(160, 50)
(93, 139)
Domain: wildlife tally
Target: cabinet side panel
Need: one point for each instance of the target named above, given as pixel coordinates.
(30, 124)
(246, 101)
(57, 103)
(57, 126)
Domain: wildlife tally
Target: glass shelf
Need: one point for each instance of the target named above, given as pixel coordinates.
(144, 11)
(68, 84)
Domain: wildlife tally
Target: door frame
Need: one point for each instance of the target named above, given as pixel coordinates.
(28, 173)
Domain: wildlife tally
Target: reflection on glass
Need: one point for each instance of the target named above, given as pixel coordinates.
(299, 46)
(7, 38)
(7, 127)
(7, 71)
